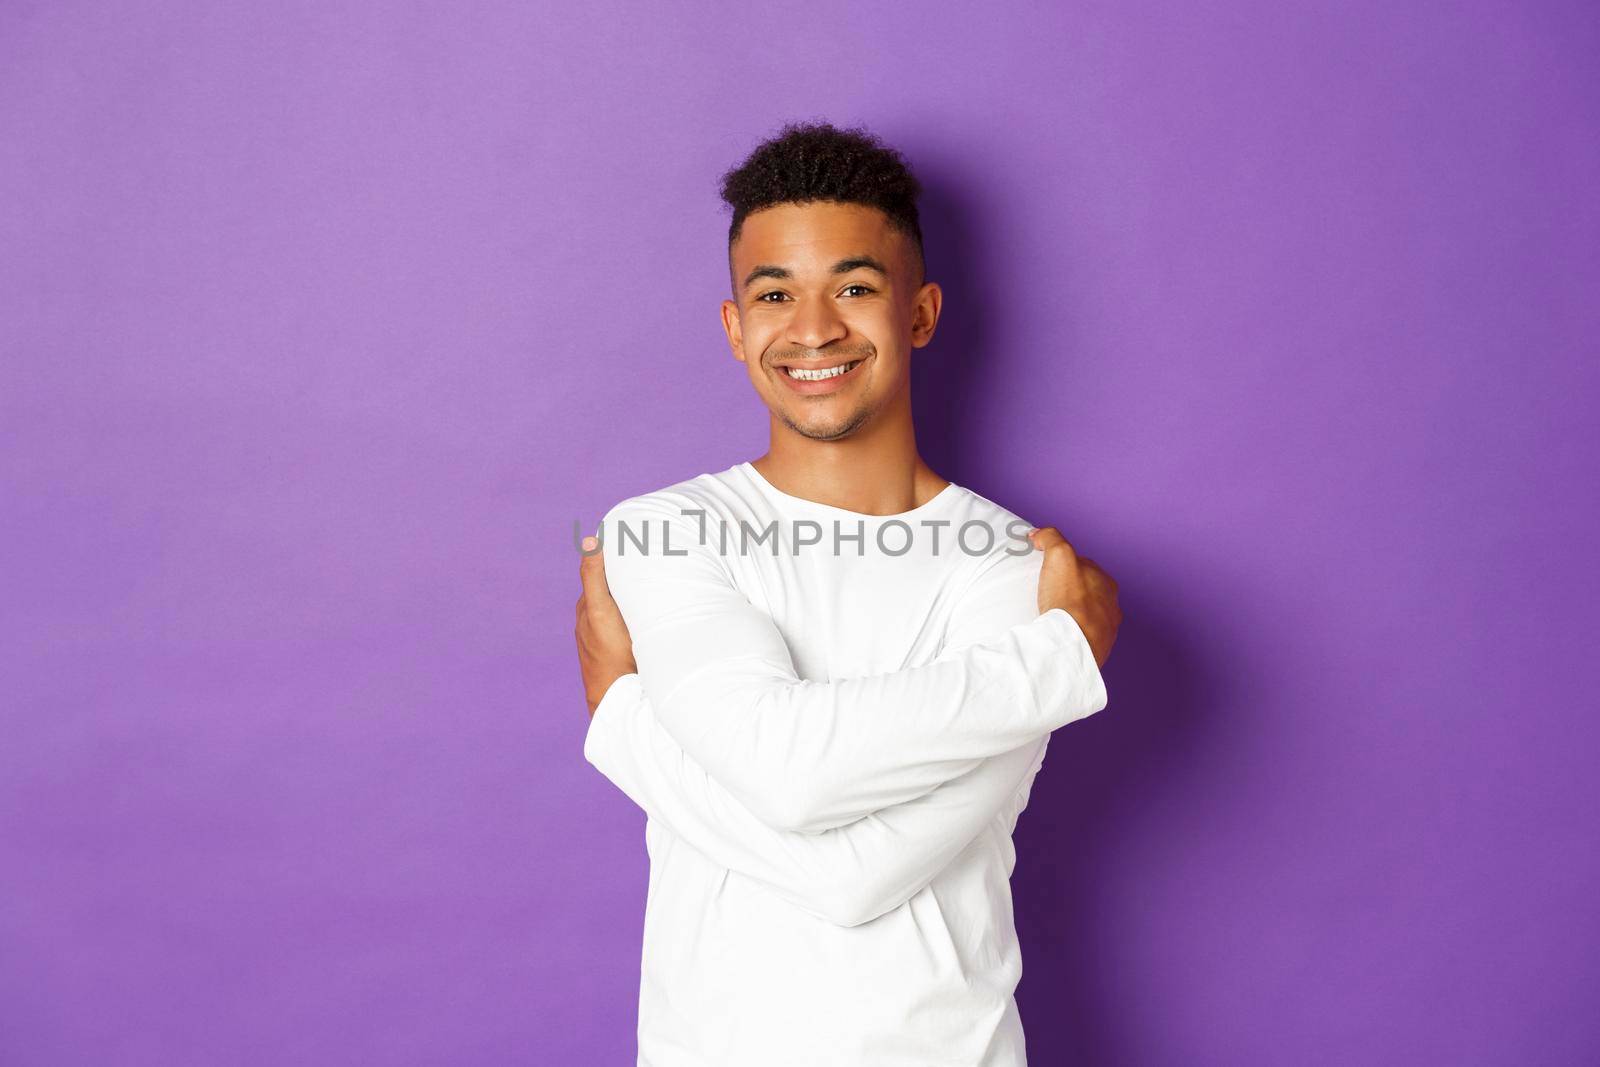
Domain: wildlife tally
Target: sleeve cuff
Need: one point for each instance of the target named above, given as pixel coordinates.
(603, 723)
(1081, 685)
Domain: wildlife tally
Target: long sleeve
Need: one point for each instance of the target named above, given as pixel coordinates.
(847, 875)
(809, 755)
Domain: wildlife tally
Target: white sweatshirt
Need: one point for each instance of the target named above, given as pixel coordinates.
(832, 736)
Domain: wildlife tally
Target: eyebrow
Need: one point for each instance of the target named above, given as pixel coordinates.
(844, 266)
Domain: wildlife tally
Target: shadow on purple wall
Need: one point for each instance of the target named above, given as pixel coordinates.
(1166, 705)
(1162, 692)
(947, 383)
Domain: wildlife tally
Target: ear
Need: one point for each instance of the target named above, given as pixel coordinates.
(925, 313)
(733, 328)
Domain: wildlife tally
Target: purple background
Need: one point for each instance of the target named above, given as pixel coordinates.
(322, 324)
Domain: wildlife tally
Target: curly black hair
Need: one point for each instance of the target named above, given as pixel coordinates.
(808, 161)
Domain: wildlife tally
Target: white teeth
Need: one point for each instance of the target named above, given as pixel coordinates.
(820, 375)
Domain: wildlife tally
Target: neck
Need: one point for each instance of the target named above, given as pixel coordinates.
(875, 471)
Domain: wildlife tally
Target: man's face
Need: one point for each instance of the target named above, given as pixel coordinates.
(832, 287)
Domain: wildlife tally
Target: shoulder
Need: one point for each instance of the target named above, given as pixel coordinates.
(703, 493)
(996, 539)
(999, 587)
(668, 530)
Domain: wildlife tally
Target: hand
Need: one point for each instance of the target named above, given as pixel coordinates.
(605, 651)
(1078, 586)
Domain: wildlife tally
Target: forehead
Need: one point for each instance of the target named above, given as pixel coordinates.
(814, 235)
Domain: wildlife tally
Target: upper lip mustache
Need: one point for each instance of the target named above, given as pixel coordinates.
(820, 364)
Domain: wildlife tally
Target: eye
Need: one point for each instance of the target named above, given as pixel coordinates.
(858, 285)
(762, 299)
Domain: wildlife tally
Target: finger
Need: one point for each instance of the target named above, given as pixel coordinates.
(1049, 537)
(592, 570)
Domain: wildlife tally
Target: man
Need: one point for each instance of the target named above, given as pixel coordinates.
(829, 691)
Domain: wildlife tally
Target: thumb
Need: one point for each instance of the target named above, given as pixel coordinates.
(592, 569)
(1045, 536)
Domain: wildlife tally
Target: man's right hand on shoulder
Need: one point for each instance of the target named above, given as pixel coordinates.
(1078, 586)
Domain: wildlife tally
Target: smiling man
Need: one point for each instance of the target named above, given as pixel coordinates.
(828, 675)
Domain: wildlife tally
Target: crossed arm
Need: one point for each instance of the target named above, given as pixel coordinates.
(873, 843)
(805, 755)
(848, 875)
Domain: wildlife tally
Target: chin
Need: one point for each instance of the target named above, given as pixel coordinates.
(829, 429)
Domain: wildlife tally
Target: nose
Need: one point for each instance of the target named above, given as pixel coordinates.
(816, 323)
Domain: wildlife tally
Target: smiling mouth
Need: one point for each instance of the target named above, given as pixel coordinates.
(811, 374)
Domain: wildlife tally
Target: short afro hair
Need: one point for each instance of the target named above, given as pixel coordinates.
(807, 161)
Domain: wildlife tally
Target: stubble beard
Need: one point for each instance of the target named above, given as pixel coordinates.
(829, 433)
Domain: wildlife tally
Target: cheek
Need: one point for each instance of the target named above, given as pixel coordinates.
(756, 371)
(757, 336)
(880, 325)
